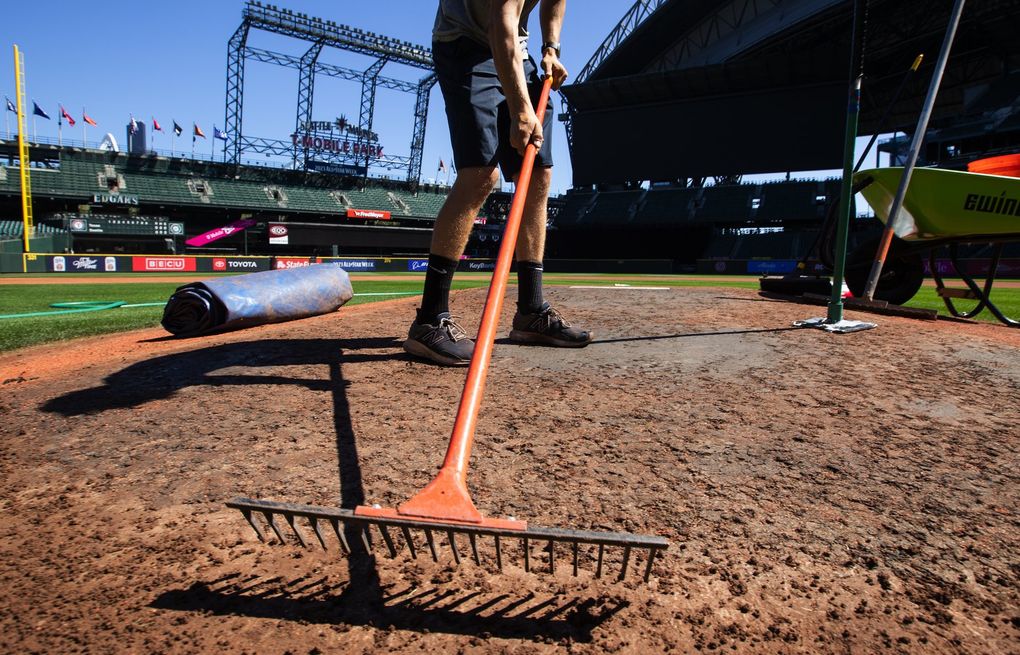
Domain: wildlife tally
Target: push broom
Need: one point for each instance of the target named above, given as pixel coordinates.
(444, 507)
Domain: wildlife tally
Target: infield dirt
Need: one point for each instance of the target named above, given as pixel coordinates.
(822, 493)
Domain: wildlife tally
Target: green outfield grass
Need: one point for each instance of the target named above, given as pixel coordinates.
(1007, 300)
(35, 330)
(31, 298)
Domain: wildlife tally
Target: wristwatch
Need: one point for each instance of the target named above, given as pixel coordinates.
(555, 45)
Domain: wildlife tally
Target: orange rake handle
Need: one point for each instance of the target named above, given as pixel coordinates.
(470, 402)
(446, 497)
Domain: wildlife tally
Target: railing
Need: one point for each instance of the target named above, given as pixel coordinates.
(176, 153)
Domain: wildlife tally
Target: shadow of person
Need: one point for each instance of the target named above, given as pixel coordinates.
(161, 377)
(363, 599)
(688, 335)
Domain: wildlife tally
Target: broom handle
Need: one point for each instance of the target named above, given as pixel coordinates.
(459, 450)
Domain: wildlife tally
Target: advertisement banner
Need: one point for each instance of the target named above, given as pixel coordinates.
(161, 264)
(376, 214)
(278, 234)
(76, 264)
(220, 232)
(233, 264)
(291, 262)
(337, 169)
(976, 267)
(417, 265)
(477, 266)
(351, 264)
(773, 266)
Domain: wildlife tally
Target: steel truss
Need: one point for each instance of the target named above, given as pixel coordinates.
(733, 26)
(636, 15)
(286, 148)
(321, 34)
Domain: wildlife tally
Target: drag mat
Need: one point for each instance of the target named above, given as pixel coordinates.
(822, 493)
(230, 303)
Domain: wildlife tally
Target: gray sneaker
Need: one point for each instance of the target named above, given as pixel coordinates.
(444, 343)
(547, 327)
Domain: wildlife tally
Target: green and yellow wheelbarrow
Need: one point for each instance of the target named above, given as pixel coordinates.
(942, 208)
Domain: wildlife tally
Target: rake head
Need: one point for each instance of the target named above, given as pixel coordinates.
(538, 548)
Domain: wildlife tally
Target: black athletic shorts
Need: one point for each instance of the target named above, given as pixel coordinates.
(476, 108)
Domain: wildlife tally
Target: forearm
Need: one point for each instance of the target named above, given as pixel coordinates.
(506, 53)
(551, 16)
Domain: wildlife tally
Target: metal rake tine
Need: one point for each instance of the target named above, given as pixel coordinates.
(626, 561)
(315, 528)
(499, 554)
(300, 537)
(366, 538)
(341, 536)
(598, 569)
(389, 541)
(272, 524)
(254, 525)
(432, 544)
(474, 548)
(576, 548)
(453, 546)
(552, 557)
(652, 552)
(527, 555)
(410, 542)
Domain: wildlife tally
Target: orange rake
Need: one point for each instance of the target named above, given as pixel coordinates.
(444, 506)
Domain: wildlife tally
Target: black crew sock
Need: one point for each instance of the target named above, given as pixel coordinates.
(435, 299)
(529, 287)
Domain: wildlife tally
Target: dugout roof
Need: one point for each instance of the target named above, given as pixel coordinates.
(710, 87)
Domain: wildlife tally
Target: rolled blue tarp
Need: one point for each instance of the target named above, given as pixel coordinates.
(241, 301)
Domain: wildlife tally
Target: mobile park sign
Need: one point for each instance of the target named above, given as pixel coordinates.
(339, 137)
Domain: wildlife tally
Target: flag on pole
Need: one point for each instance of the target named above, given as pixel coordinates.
(67, 117)
(219, 134)
(134, 125)
(10, 105)
(177, 129)
(198, 131)
(85, 117)
(442, 165)
(156, 127)
(38, 111)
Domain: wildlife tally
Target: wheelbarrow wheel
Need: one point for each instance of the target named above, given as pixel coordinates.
(902, 274)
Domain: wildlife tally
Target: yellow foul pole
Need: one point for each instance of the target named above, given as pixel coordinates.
(23, 161)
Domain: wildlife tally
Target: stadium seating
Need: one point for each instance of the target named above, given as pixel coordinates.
(16, 229)
(790, 201)
(665, 206)
(724, 204)
(576, 207)
(613, 207)
(184, 182)
(423, 203)
(720, 247)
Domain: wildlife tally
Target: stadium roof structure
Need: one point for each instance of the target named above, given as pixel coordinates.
(319, 33)
(763, 83)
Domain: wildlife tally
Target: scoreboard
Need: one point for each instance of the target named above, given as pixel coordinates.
(126, 226)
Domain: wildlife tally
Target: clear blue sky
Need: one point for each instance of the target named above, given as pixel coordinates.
(168, 60)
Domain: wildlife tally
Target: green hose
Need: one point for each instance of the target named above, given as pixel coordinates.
(81, 306)
(71, 308)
